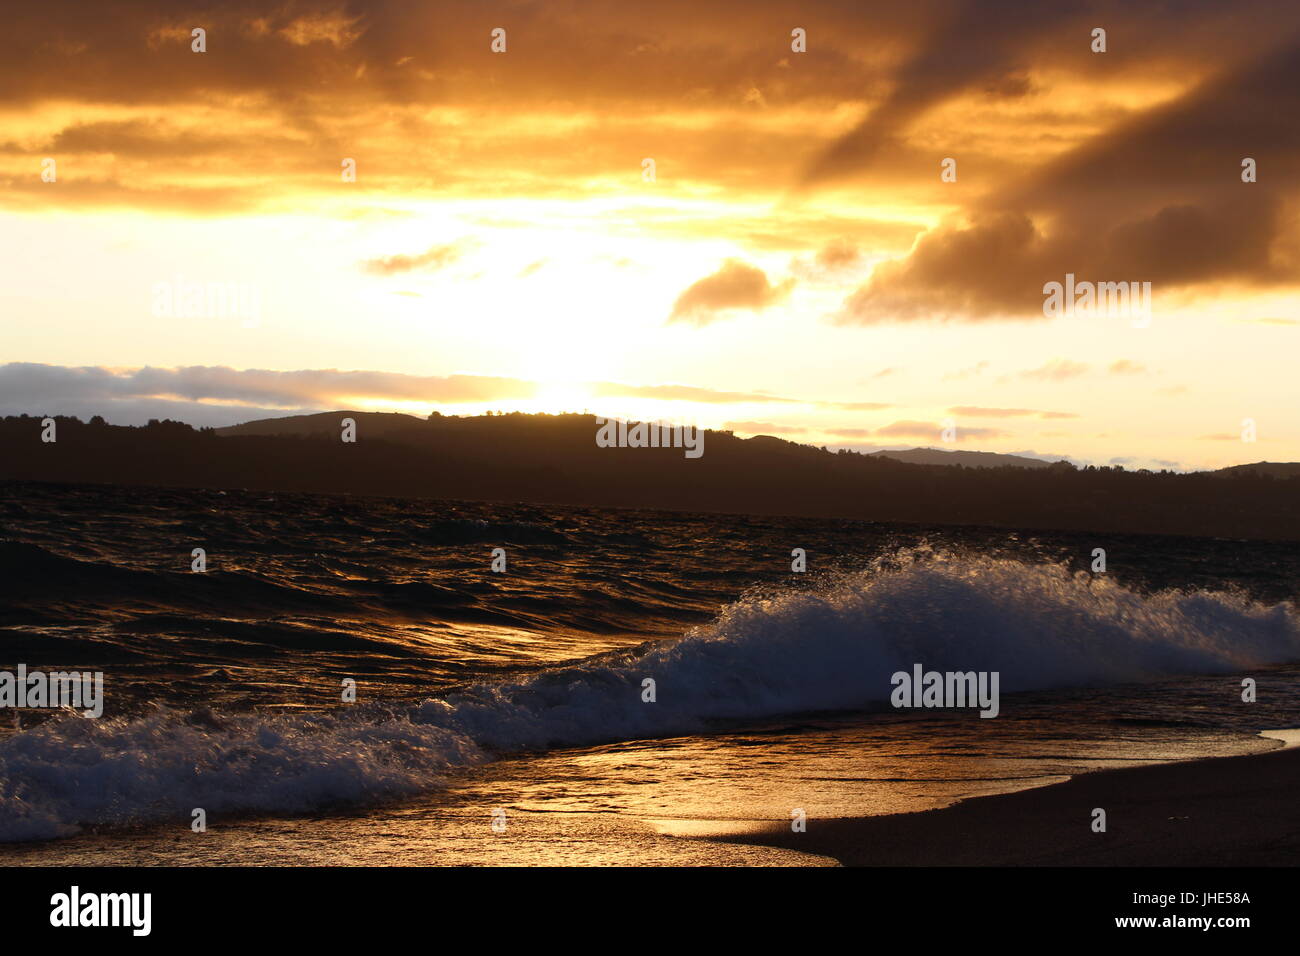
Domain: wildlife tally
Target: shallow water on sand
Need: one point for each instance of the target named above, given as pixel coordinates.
(628, 803)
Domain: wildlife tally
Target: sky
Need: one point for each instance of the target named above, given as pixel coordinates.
(832, 222)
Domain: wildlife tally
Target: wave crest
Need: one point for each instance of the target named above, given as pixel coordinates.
(830, 647)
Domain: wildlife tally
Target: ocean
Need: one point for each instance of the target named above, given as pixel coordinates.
(503, 717)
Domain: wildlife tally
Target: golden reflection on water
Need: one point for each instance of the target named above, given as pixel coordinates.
(639, 803)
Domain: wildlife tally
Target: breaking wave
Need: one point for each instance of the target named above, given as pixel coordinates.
(773, 652)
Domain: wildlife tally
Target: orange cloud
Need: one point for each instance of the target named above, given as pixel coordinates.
(734, 286)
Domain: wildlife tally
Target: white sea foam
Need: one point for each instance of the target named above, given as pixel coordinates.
(833, 648)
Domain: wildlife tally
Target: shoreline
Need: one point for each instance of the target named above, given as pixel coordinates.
(1220, 811)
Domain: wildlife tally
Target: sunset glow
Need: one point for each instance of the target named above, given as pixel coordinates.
(796, 262)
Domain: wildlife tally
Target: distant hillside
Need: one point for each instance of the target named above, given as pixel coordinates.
(374, 425)
(554, 459)
(967, 459)
(407, 427)
(1274, 469)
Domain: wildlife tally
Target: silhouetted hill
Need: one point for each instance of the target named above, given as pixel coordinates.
(1275, 469)
(372, 424)
(969, 459)
(400, 427)
(555, 459)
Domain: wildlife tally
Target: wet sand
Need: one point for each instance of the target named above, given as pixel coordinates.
(1231, 811)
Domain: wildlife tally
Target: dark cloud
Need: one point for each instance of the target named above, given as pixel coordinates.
(32, 387)
(29, 385)
(975, 272)
(142, 137)
(1157, 199)
(968, 43)
(413, 92)
(392, 51)
(128, 411)
(995, 45)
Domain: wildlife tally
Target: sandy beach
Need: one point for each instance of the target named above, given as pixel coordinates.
(1233, 811)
